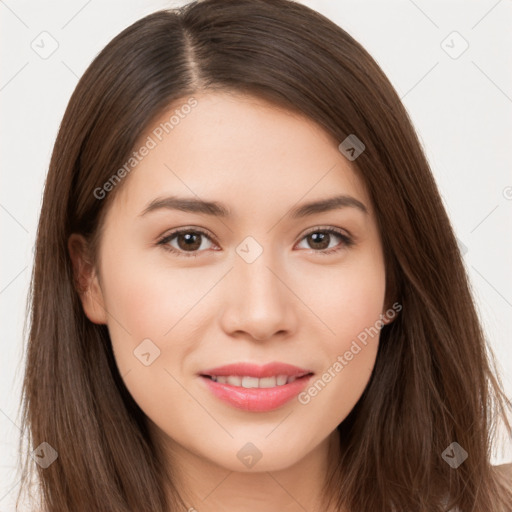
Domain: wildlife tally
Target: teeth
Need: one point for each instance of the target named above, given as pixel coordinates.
(268, 382)
(250, 382)
(253, 382)
(234, 381)
(281, 379)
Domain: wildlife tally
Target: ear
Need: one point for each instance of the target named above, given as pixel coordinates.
(385, 319)
(391, 313)
(86, 280)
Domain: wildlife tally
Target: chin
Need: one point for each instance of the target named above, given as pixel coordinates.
(269, 461)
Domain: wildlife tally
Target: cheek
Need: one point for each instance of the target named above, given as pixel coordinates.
(150, 328)
(351, 309)
(350, 357)
(350, 298)
(145, 301)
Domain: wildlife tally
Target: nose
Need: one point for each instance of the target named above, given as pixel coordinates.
(259, 303)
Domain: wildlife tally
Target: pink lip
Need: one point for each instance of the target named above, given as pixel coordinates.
(257, 399)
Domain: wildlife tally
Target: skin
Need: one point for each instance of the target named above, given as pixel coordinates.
(292, 304)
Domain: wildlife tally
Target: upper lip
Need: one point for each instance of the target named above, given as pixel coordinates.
(254, 370)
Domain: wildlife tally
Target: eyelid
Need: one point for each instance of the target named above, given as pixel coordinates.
(186, 229)
(327, 228)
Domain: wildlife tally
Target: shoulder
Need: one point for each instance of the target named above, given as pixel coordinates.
(505, 471)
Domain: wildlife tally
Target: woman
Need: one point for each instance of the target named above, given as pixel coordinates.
(247, 294)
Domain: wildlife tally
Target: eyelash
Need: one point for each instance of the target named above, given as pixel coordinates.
(164, 242)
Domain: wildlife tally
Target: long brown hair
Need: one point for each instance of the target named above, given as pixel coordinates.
(434, 381)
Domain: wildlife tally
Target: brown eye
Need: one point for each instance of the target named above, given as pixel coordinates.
(188, 241)
(321, 240)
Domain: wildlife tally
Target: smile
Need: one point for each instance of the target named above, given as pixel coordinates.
(256, 388)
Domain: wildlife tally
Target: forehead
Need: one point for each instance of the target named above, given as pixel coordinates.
(240, 150)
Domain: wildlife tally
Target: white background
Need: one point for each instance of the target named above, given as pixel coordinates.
(461, 108)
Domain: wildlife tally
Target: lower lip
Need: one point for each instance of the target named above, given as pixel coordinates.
(257, 399)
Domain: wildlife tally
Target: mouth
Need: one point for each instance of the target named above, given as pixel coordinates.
(256, 389)
(248, 382)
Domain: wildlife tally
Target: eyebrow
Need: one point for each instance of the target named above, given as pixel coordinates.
(214, 208)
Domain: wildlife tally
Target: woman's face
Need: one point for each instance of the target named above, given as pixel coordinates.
(267, 282)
